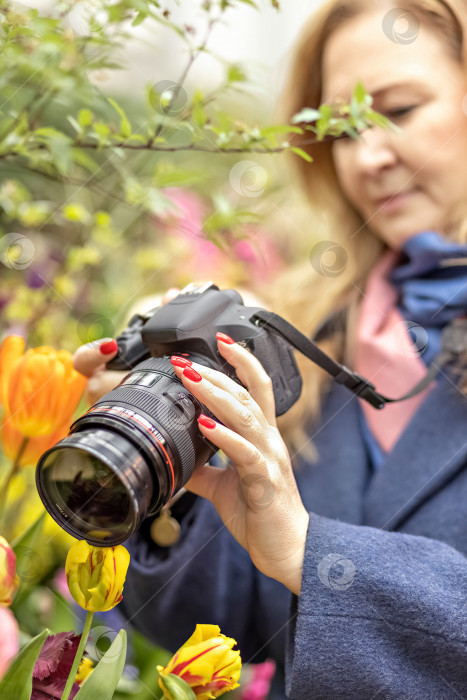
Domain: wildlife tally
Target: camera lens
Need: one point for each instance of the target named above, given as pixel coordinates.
(125, 458)
(98, 483)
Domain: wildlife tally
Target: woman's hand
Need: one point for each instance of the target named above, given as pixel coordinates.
(256, 495)
(91, 359)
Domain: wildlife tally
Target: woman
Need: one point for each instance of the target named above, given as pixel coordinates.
(348, 569)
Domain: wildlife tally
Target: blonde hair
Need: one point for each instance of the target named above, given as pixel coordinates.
(304, 295)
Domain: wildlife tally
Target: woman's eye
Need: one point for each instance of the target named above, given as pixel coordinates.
(399, 112)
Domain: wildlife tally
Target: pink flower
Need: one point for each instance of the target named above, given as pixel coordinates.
(9, 639)
(259, 686)
(253, 258)
(61, 585)
(259, 255)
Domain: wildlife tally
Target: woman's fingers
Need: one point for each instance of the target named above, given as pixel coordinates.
(247, 458)
(258, 395)
(101, 383)
(92, 357)
(228, 401)
(251, 373)
(90, 360)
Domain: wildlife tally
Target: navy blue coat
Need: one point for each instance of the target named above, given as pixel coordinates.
(382, 611)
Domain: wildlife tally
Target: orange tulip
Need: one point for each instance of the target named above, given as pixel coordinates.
(40, 389)
(36, 446)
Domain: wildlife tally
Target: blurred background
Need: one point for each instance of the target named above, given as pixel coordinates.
(130, 163)
(260, 39)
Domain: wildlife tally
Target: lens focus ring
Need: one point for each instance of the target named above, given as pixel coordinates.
(169, 423)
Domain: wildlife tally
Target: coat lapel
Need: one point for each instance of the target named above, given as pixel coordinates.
(431, 450)
(336, 485)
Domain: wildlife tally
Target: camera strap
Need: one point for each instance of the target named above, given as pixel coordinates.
(453, 348)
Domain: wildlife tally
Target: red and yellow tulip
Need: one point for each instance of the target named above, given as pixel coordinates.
(8, 577)
(39, 388)
(95, 575)
(206, 662)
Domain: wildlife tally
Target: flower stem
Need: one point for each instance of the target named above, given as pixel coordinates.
(11, 474)
(79, 654)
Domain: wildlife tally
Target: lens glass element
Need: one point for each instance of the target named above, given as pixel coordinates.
(90, 497)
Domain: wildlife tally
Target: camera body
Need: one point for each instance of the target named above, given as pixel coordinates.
(187, 326)
(140, 443)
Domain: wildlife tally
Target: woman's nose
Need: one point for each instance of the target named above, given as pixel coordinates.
(374, 151)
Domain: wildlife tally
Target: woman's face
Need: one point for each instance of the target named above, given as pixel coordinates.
(420, 87)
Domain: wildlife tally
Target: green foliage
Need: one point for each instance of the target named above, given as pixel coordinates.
(340, 119)
(17, 682)
(105, 677)
(177, 689)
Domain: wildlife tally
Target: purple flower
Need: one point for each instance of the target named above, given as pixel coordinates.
(53, 666)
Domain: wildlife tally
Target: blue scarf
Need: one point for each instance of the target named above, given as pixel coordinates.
(432, 286)
(432, 291)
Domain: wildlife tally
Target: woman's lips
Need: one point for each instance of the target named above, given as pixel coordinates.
(395, 201)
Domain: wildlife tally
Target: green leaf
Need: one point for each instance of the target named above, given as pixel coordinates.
(30, 537)
(235, 74)
(17, 683)
(280, 129)
(102, 682)
(83, 158)
(85, 117)
(303, 154)
(360, 93)
(250, 2)
(125, 126)
(176, 688)
(199, 115)
(102, 131)
(58, 145)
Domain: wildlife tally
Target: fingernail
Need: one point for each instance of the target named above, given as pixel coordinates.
(225, 338)
(206, 421)
(192, 374)
(180, 361)
(108, 347)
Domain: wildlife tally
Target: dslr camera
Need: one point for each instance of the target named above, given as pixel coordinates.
(140, 443)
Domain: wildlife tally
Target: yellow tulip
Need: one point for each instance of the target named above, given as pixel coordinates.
(95, 575)
(36, 446)
(8, 577)
(206, 662)
(85, 669)
(39, 388)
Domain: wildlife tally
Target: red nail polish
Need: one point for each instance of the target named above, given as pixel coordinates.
(206, 421)
(192, 374)
(180, 361)
(225, 338)
(108, 347)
